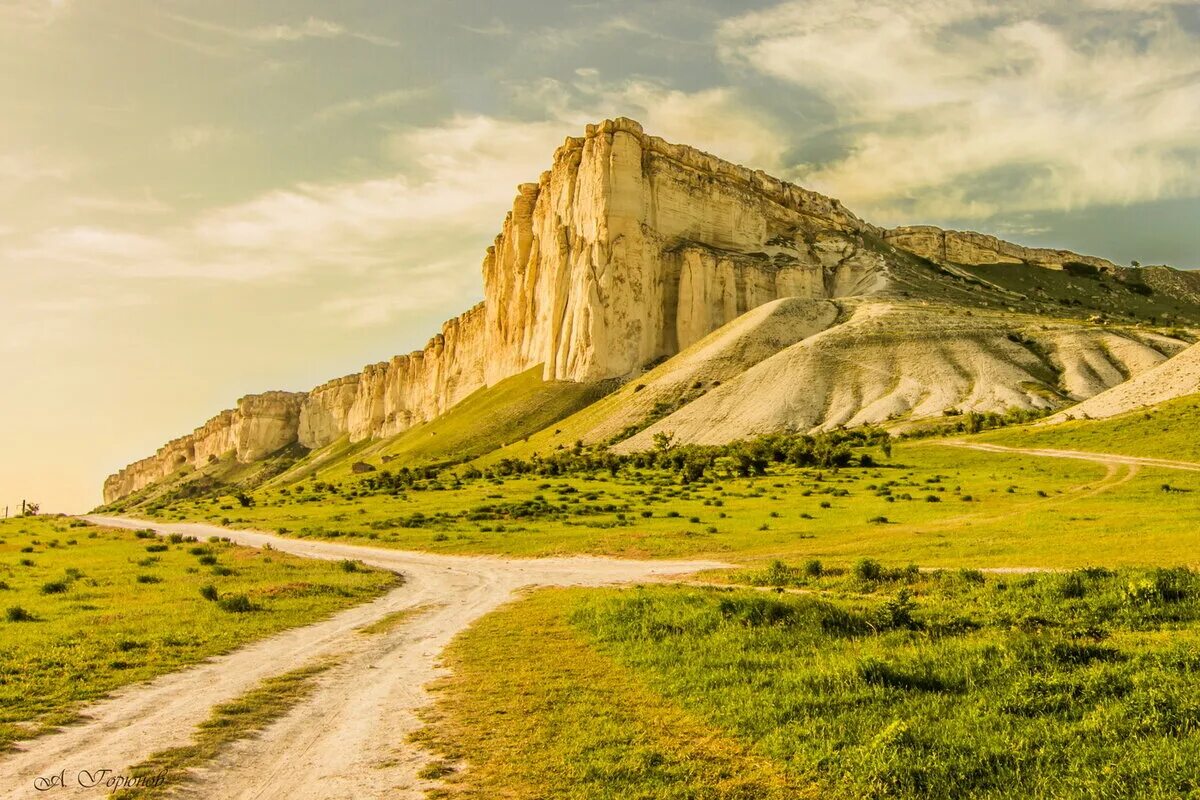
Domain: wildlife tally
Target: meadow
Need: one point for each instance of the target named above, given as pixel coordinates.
(924, 502)
(1167, 430)
(89, 609)
(860, 682)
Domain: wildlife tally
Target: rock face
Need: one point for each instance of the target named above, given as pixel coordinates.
(627, 250)
(260, 425)
(970, 248)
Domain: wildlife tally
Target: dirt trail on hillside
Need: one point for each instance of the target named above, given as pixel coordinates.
(1081, 455)
(349, 738)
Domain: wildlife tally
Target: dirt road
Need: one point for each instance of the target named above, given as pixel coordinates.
(1079, 455)
(349, 738)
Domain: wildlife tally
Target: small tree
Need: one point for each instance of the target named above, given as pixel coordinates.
(663, 441)
(30, 509)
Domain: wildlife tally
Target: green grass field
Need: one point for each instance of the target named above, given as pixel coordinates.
(943, 507)
(874, 683)
(806, 670)
(89, 609)
(1163, 431)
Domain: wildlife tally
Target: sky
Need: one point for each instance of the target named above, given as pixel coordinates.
(200, 200)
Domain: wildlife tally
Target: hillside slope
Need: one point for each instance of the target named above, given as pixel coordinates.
(890, 362)
(1176, 377)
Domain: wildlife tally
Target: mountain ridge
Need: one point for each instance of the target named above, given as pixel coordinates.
(626, 252)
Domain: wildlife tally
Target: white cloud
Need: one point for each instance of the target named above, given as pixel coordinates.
(953, 108)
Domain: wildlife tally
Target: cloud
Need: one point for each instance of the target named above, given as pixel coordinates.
(195, 137)
(284, 33)
(363, 105)
(494, 28)
(312, 28)
(430, 285)
(720, 120)
(32, 13)
(19, 168)
(960, 108)
(412, 236)
(458, 180)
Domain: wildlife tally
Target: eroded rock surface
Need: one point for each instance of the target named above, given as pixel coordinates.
(628, 250)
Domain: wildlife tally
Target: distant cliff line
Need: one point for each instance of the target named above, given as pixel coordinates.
(626, 250)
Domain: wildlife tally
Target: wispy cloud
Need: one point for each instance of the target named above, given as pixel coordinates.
(363, 105)
(494, 28)
(287, 32)
(961, 108)
(32, 13)
(187, 138)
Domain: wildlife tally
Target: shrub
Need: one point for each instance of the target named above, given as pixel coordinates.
(897, 612)
(813, 568)
(209, 592)
(237, 604)
(175, 538)
(149, 579)
(54, 587)
(207, 559)
(867, 569)
(349, 566)
(18, 614)
(778, 574)
(156, 548)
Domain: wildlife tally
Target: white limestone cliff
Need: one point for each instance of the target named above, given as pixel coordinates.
(627, 249)
(261, 425)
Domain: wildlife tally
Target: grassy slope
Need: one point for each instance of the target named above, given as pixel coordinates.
(488, 419)
(1037, 686)
(1086, 515)
(1091, 294)
(107, 628)
(1167, 430)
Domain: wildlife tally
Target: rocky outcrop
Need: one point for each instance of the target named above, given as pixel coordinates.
(261, 424)
(969, 248)
(627, 250)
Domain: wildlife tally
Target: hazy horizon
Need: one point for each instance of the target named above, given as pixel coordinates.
(202, 201)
